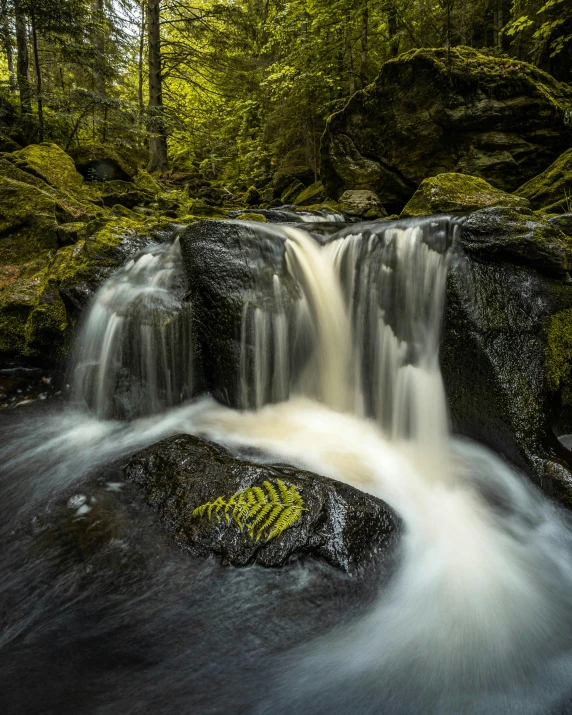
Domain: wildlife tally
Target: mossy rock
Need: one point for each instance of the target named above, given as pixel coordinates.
(551, 191)
(291, 192)
(126, 194)
(7, 144)
(252, 197)
(434, 111)
(28, 222)
(456, 193)
(252, 217)
(144, 180)
(289, 173)
(362, 202)
(50, 164)
(103, 162)
(314, 194)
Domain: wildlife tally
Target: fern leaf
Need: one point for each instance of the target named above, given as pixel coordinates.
(265, 509)
(285, 492)
(272, 493)
(288, 518)
(229, 503)
(271, 519)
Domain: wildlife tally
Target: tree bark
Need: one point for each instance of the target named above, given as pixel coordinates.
(391, 12)
(364, 41)
(158, 136)
(140, 68)
(39, 88)
(98, 14)
(349, 55)
(23, 61)
(7, 37)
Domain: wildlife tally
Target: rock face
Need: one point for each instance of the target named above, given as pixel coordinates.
(338, 523)
(506, 354)
(226, 263)
(450, 193)
(430, 112)
(551, 191)
(50, 164)
(364, 204)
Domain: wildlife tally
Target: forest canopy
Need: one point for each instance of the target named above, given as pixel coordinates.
(233, 90)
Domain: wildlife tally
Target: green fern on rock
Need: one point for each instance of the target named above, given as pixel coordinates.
(258, 510)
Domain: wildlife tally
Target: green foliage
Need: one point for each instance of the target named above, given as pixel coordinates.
(258, 510)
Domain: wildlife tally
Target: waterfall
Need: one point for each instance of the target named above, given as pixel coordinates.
(134, 352)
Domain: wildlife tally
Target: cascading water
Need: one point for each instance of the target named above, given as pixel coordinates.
(136, 339)
(478, 616)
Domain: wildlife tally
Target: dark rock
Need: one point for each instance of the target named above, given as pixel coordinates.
(69, 233)
(340, 524)
(432, 111)
(519, 236)
(563, 222)
(506, 354)
(224, 263)
(126, 194)
(252, 197)
(551, 190)
(103, 162)
(285, 176)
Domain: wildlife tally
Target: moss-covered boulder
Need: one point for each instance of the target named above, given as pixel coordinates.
(432, 111)
(50, 164)
(289, 173)
(551, 191)
(104, 162)
(28, 222)
(125, 193)
(506, 354)
(144, 180)
(291, 192)
(252, 217)
(314, 194)
(457, 193)
(252, 196)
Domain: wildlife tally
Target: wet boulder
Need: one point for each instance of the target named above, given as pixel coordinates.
(234, 270)
(315, 515)
(506, 354)
(551, 191)
(433, 111)
(457, 193)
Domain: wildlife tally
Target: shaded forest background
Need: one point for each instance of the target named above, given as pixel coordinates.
(232, 90)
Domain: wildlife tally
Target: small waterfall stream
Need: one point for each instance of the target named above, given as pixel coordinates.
(478, 617)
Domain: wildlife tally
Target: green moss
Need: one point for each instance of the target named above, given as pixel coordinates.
(252, 217)
(551, 191)
(144, 180)
(558, 348)
(452, 192)
(291, 192)
(312, 195)
(28, 222)
(85, 156)
(49, 163)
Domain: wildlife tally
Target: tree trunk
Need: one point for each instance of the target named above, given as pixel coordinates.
(158, 140)
(140, 65)
(364, 39)
(391, 13)
(349, 55)
(7, 37)
(39, 89)
(23, 61)
(98, 15)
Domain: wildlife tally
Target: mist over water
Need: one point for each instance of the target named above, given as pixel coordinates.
(477, 617)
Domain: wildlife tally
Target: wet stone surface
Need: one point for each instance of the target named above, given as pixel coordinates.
(340, 524)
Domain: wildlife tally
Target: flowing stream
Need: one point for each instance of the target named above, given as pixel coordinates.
(477, 617)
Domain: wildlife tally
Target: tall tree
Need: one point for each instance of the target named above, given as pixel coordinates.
(23, 62)
(158, 136)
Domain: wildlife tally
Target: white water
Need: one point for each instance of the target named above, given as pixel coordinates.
(478, 616)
